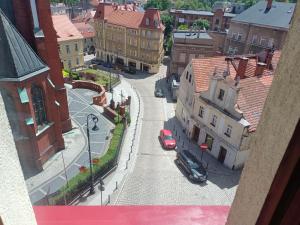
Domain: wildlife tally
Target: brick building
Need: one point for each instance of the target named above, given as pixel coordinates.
(31, 81)
(218, 20)
(126, 36)
(188, 45)
(262, 26)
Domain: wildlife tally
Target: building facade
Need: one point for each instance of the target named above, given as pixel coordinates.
(188, 45)
(31, 82)
(219, 20)
(262, 26)
(217, 106)
(88, 33)
(129, 38)
(71, 42)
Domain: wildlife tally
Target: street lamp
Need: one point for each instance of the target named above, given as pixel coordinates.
(95, 128)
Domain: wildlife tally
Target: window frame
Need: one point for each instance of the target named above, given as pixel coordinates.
(214, 121)
(228, 131)
(221, 94)
(201, 111)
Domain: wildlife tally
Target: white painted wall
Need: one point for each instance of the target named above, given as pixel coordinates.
(15, 206)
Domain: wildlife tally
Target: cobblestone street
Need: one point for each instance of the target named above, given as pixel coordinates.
(155, 179)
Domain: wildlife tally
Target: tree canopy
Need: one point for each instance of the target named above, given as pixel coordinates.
(160, 4)
(201, 24)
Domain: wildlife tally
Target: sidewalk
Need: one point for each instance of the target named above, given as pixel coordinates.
(129, 146)
(65, 164)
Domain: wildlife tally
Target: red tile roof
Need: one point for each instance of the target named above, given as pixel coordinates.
(127, 16)
(252, 97)
(130, 19)
(253, 90)
(65, 30)
(85, 29)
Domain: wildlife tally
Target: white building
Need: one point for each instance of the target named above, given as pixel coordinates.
(220, 102)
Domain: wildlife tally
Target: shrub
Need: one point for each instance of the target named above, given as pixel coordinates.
(81, 181)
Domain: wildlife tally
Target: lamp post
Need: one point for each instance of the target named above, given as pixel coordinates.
(95, 128)
(203, 148)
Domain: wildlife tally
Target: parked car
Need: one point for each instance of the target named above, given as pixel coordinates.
(167, 139)
(195, 170)
(159, 93)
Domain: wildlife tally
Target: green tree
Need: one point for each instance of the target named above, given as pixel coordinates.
(202, 24)
(160, 4)
(168, 21)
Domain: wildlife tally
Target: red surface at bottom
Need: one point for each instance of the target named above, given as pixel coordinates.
(131, 215)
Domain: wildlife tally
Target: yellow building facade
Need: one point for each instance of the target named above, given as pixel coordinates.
(71, 53)
(70, 42)
(122, 37)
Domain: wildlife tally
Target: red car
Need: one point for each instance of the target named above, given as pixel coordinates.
(167, 139)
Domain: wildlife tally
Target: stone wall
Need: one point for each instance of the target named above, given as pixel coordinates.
(15, 206)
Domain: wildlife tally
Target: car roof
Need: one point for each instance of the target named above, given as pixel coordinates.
(167, 132)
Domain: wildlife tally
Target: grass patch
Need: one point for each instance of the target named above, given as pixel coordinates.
(81, 181)
(102, 77)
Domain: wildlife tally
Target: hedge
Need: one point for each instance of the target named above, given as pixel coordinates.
(82, 180)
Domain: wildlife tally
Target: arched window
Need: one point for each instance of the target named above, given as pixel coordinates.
(39, 105)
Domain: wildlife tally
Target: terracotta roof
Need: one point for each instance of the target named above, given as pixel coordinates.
(252, 97)
(253, 90)
(128, 16)
(130, 19)
(204, 68)
(85, 29)
(85, 17)
(65, 30)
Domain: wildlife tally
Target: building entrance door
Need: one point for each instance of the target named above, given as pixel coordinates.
(222, 155)
(196, 132)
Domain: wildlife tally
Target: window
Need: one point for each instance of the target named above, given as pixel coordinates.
(214, 121)
(254, 39)
(77, 61)
(209, 140)
(69, 64)
(271, 43)
(201, 111)
(92, 39)
(263, 42)
(68, 49)
(38, 105)
(217, 21)
(228, 131)
(234, 36)
(239, 37)
(147, 21)
(190, 78)
(221, 94)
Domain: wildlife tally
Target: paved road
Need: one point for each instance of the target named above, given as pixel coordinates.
(155, 178)
(76, 153)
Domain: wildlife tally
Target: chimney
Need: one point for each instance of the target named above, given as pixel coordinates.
(269, 5)
(241, 70)
(260, 67)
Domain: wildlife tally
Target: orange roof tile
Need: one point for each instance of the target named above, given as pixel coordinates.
(65, 30)
(252, 97)
(130, 19)
(253, 91)
(85, 29)
(127, 16)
